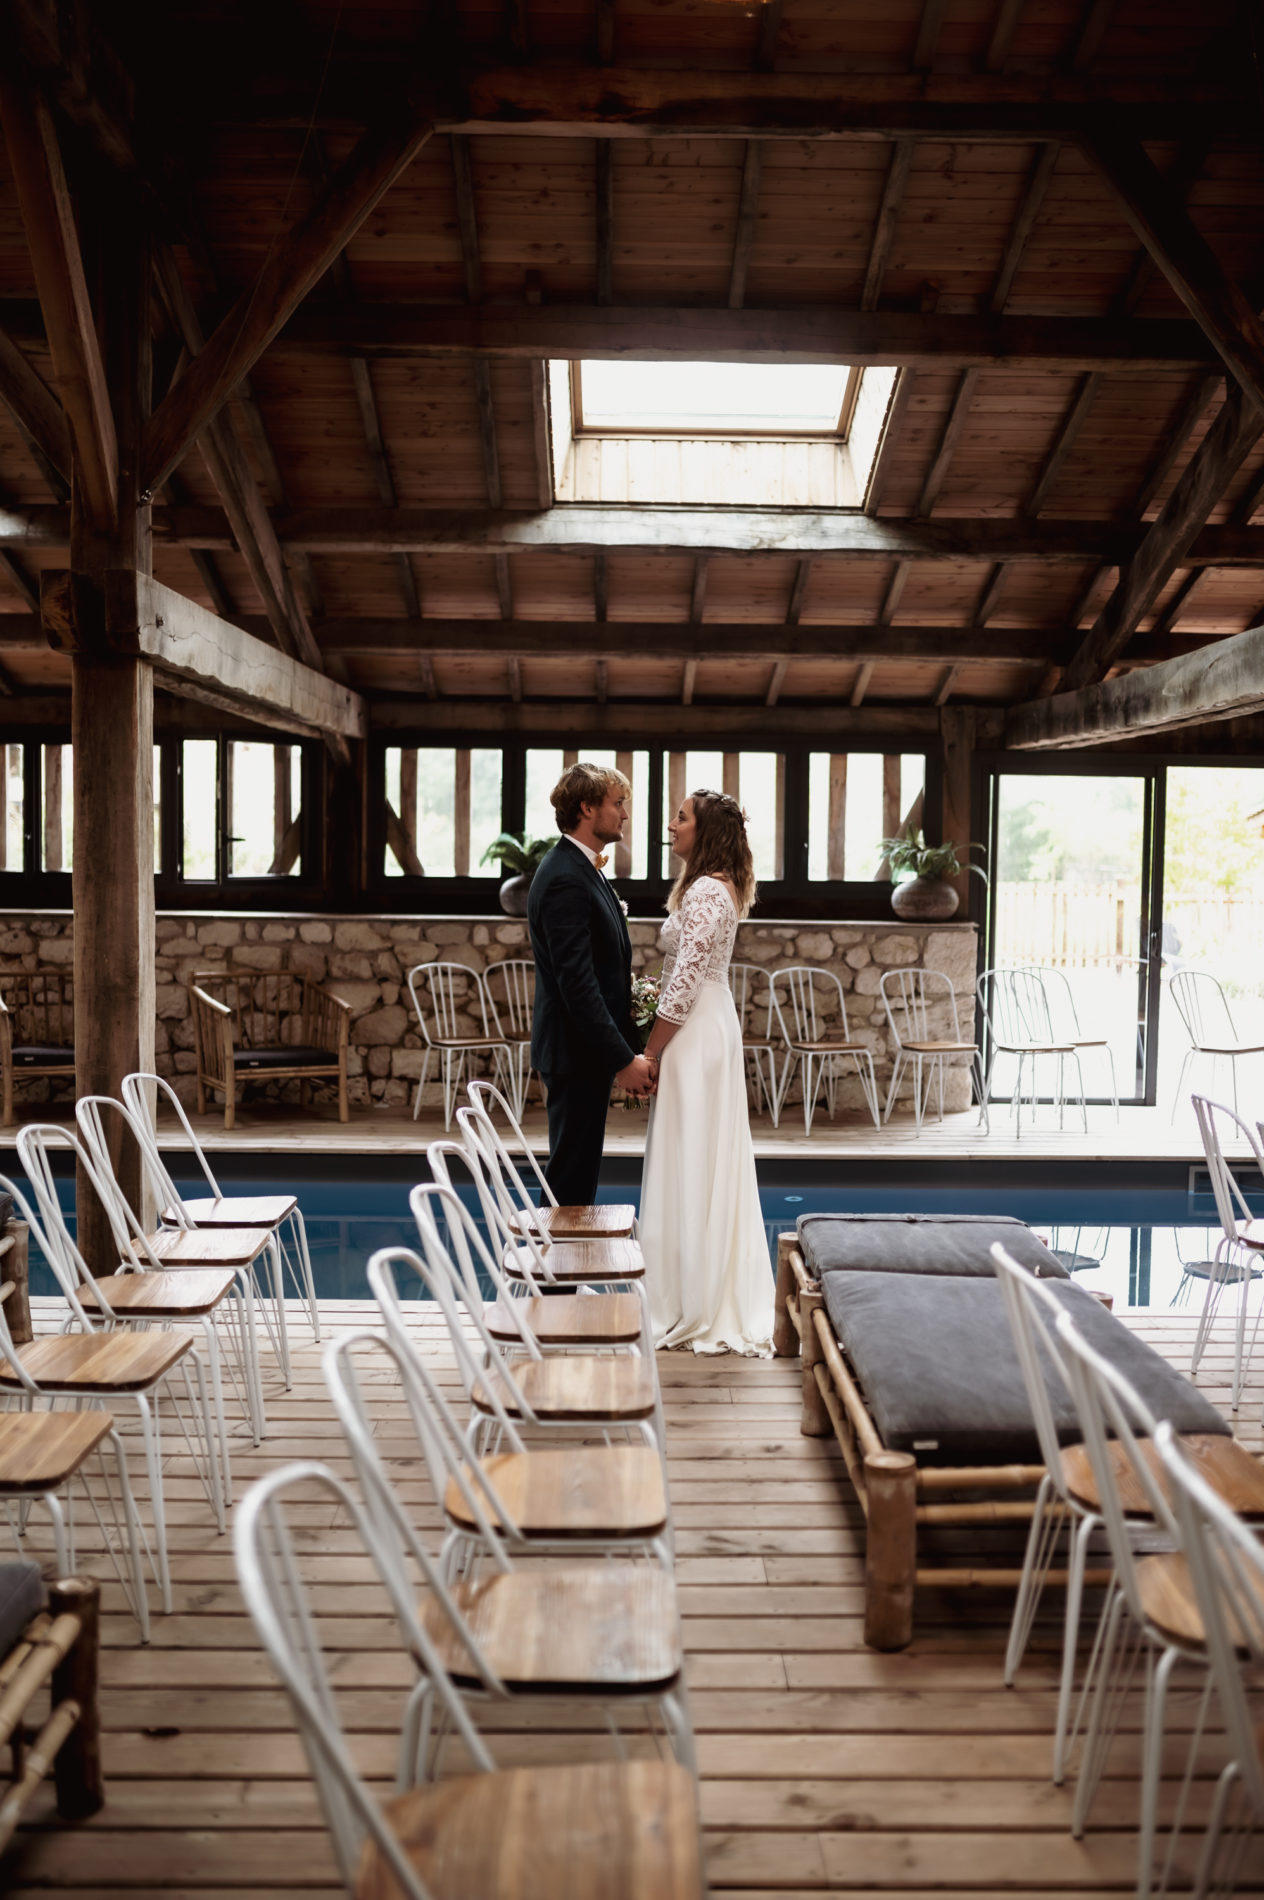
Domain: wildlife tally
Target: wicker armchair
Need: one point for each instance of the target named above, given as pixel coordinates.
(37, 1030)
(274, 1026)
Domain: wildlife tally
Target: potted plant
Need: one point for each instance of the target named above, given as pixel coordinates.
(521, 859)
(922, 892)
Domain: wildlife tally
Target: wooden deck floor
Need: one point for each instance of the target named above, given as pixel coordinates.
(823, 1764)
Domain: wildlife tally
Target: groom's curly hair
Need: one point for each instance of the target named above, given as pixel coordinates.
(720, 848)
(582, 785)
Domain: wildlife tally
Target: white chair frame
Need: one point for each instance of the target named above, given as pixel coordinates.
(512, 1016)
(1241, 1237)
(808, 996)
(446, 1042)
(1014, 1013)
(1201, 1003)
(1064, 1011)
(913, 993)
(219, 1212)
(768, 1087)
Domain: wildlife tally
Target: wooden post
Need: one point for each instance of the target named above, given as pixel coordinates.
(624, 761)
(461, 814)
(408, 794)
(957, 732)
(890, 1548)
(15, 1272)
(815, 1421)
(835, 847)
(891, 812)
(52, 808)
(785, 1340)
(779, 819)
(733, 775)
(77, 1770)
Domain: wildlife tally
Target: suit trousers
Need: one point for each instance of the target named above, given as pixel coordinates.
(577, 1135)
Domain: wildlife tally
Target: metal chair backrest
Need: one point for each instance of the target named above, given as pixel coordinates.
(1203, 1008)
(909, 996)
(808, 1004)
(1231, 1203)
(36, 1143)
(510, 988)
(472, 1252)
(744, 981)
(458, 1003)
(144, 1106)
(91, 1113)
(512, 1219)
(266, 1547)
(1061, 1016)
(1012, 1000)
(462, 1247)
(1226, 1567)
(8, 1351)
(1114, 1420)
(482, 1095)
(1034, 1312)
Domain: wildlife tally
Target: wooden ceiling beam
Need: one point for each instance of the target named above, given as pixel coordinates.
(747, 213)
(652, 720)
(1024, 224)
(888, 442)
(928, 31)
(806, 334)
(1003, 28)
(52, 237)
(467, 219)
(1221, 681)
(954, 428)
(604, 189)
(1072, 423)
(1176, 440)
(886, 221)
(798, 592)
(35, 408)
(294, 265)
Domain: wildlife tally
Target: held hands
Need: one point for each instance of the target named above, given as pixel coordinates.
(640, 1077)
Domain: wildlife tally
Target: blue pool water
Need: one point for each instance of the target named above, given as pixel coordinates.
(1141, 1237)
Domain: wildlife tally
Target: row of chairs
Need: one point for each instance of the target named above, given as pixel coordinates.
(552, 1577)
(1185, 1589)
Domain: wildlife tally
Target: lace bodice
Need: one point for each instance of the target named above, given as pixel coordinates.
(697, 941)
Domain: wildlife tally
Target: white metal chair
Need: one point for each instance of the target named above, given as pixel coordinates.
(510, 988)
(1241, 1236)
(598, 1633)
(1204, 1010)
(1226, 1570)
(604, 1220)
(759, 1047)
(456, 995)
(1062, 1022)
(911, 999)
(811, 1013)
(471, 1835)
(1014, 1011)
(279, 1213)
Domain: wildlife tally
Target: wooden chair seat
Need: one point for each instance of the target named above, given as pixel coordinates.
(184, 1295)
(825, 1047)
(592, 1831)
(237, 1210)
(606, 1390)
(941, 1048)
(1227, 1466)
(208, 1246)
(590, 1491)
(39, 1451)
(604, 1319)
(1167, 1596)
(586, 1260)
(599, 1221)
(97, 1364)
(563, 1630)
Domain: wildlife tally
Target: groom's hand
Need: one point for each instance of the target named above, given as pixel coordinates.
(637, 1078)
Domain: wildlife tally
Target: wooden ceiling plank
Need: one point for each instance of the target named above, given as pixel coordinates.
(1161, 221)
(885, 224)
(48, 219)
(467, 219)
(487, 431)
(504, 586)
(747, 213)
(1165, 621)
(698, 589)
(601, 592)
(605, 32)
(1073, 422)
(954, 427)
(604, 189)
(1033, 198)
(602, 682)
(35, 408)
(294, 265)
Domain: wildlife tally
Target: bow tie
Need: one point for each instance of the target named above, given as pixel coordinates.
(600, 861)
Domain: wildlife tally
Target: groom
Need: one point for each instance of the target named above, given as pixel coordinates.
(582, 1037)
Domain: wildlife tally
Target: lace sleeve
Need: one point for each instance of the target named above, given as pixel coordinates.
(704, 914)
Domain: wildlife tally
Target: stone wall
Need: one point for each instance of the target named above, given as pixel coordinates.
(365, 961)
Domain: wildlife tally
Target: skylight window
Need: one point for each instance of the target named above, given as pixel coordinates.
(712, 399)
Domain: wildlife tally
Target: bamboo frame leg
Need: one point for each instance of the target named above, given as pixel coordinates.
(785, 1340)
(77, 1770)
(890, 1548)
(6, 1072)
(15, 1272)
(814, 1421)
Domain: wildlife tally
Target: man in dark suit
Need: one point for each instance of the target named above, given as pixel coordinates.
(582, 1035)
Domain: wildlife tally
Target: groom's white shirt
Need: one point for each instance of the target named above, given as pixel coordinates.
(587, 850)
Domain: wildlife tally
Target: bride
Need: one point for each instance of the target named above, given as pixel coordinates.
(701, 1226)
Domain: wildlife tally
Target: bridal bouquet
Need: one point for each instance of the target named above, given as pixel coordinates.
(644, 1005)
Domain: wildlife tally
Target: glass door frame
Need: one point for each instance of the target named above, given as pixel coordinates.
(1152, 772)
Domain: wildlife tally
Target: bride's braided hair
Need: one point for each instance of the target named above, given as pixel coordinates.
(720, 848)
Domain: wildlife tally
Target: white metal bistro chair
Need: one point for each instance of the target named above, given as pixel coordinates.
(1241, 1242)
(468, 1836)
(912, 999)
(763, 1045)
(1204, 1010)
(1062, 1021)
(510, 988)
(456, 996)
(601, 1220)
(811, 1013)
(597, 1633)
(279, 1213)
(595, 1499)
(1014, 1011)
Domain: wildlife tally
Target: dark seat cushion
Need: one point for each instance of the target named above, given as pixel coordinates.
(936, 1361)
(22, 1596)
(297, 1056)
(42, 1055)
(952, 1244)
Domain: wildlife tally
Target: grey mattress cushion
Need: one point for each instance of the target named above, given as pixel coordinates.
(936, 1361)
(953, 1244)
(21, 1598)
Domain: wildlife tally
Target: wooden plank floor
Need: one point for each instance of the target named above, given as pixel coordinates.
(823, 1764)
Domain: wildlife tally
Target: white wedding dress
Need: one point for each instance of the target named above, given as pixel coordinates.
(701, 1226)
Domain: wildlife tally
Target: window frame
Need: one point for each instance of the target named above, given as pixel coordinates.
(658, 432)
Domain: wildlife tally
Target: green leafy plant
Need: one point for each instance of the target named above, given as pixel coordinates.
(911, 856)
(517, 856)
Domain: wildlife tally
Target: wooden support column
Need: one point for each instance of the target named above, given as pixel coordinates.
(837, 824)
(957, 730)
(624, 762)
(461, 815)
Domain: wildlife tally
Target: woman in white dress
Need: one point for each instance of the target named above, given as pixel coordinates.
(701, 1228)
